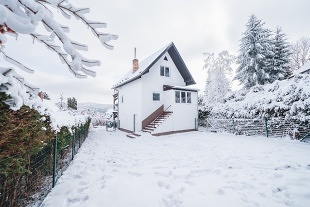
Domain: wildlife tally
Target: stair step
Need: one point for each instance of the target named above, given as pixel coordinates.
(145, 130)
(159, 120)
(131, 136)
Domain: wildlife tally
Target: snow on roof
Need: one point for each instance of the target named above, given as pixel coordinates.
(303, 68)
(185, 88)
(142, 67)
(146, 64)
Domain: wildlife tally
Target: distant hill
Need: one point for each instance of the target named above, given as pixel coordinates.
(102, 108)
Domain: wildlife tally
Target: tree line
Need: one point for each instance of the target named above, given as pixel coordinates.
(264, 57)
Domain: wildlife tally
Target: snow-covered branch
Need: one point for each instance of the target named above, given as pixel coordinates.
(24, 16)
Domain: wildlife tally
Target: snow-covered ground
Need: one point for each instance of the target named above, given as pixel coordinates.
(190, 169)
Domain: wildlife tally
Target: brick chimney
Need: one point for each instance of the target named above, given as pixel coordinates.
(135, 63)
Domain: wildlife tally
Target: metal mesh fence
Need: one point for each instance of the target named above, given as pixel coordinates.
(40, 171)
(272, 128)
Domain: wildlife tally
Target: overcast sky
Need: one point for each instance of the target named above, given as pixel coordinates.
(195, 26)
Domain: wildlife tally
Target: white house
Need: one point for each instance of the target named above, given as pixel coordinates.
(153, 96)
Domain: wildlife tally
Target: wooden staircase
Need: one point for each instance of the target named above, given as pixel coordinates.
(158, 121)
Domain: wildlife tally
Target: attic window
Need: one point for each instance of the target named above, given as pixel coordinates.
(164, 71)
(166, 58)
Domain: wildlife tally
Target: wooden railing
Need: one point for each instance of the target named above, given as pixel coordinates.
(152, 116)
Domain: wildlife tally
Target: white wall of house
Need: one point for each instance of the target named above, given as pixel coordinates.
(184, 116)
(130, 104)
(153, 82)
(136, 98)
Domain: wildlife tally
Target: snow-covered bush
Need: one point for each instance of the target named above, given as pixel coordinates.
(288, 99)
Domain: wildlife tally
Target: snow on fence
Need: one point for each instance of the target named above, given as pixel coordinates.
(265, 127)
(42, 171)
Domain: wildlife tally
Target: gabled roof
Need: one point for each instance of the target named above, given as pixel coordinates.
(146, 64)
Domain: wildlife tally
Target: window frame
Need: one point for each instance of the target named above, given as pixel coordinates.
(164, 71)
(179, 96)
(156, 93)
(188, 97)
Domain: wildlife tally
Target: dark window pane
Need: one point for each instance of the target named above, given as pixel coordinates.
(189, 97)
(183, 97)
(162, 71)
(156, 96)
(177, 96)
(166, 71)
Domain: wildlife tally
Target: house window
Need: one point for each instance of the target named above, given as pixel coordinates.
(183, 97)
(164, 71)
(122, 99)
(156, 96)
(189, 97)
(177, 96)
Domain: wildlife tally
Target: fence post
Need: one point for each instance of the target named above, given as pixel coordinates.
(79, 135)
(73, 144)
(55, 161)
(233, 126)
(266, 126)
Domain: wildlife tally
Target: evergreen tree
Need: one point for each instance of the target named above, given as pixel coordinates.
(255, 54)
(72, 103)
(217, 84)
(281, 60)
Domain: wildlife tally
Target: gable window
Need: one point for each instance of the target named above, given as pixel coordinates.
(156, 96)
(189, 97)
(183, 97)
(177, 96)
(164, 71)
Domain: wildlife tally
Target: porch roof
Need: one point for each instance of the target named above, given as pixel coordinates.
(168, 87)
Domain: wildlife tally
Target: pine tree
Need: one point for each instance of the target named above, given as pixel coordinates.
(72, 103)
(281, 60)
(217, 84)
(255, 54)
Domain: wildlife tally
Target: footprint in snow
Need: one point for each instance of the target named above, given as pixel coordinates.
(77, 176)
(220, 191)
(163, 185)
(77, 199)
(277, 175)
(83, 183)
(80, 190)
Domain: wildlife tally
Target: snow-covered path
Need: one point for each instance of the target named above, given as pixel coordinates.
(191, 170)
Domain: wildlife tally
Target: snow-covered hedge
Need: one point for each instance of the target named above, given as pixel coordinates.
(22, 93)
(289, 99)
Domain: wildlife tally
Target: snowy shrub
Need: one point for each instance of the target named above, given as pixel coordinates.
(287, 98)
